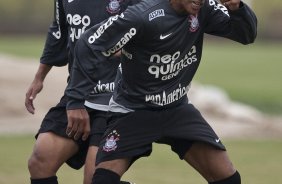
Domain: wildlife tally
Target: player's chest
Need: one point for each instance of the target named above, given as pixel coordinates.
(90, 12)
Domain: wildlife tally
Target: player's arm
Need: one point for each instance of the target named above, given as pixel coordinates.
(235, 21)
(36, 86)
(231, 4)
(98, 44)
(55, 51)
(54, 54)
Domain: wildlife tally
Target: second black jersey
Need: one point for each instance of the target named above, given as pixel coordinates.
(71, 19)
(161, 51)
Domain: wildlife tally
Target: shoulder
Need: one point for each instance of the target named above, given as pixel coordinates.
(146, 8)
(149, 5)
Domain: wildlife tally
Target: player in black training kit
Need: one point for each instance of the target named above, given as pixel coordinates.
(53, 145)
(161, 44)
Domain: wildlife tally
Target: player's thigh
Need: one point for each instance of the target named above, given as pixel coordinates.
(52, 148)
(212, 163)
(118, 166)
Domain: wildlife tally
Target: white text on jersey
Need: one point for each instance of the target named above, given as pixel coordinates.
(76, 20)
(57, 34)
(166, 66)
(126, 37)
(218, 6)
(162, 99)
(103, 27)
(156, 13)
(102, 88)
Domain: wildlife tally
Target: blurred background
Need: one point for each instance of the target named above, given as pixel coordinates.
(237, 88)
(33, 17)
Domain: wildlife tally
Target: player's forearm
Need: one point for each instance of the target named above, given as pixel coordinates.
(42, 72)
(79, 85)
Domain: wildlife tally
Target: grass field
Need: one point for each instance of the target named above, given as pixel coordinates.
(251, 74)
(22, 45)
(259, 162)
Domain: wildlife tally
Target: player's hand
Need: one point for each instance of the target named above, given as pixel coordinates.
(231, 4)
(117, 54)
(78, 124)
(35, 88)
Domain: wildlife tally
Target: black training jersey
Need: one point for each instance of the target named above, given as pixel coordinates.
(161, 51)
(71, 19)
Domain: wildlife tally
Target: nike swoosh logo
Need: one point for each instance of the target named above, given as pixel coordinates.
(70, 1)
(164, 36)
(217, 140)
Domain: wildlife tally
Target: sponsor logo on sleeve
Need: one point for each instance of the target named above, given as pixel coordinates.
(126, 37)
(218, 6)
(57, 34)
(103, 27)
(126, 53)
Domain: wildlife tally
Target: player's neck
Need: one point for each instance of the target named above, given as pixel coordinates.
(186, 7)
(178, 7)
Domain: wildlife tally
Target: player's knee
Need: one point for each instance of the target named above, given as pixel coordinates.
(35, 163)
(105, 176)
(38, 165)
(233, 179)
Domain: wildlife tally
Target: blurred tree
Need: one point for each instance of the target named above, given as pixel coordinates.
(25, 16)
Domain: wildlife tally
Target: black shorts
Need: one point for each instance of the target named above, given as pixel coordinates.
(131, 135)
(56, 121)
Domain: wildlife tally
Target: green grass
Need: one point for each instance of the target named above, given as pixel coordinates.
(259, 162)
(23, 46)
(251, 74)
(14, 153)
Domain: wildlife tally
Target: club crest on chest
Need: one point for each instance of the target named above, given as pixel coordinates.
(194, 23)
(114, 6)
